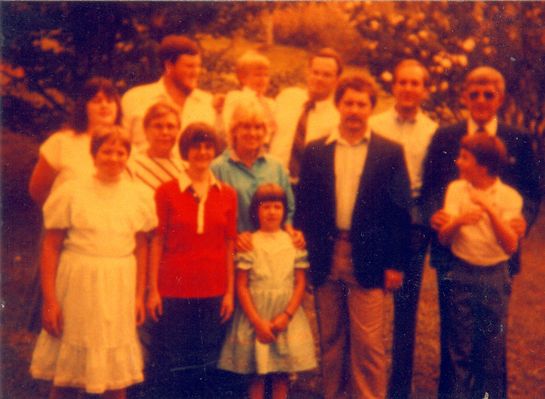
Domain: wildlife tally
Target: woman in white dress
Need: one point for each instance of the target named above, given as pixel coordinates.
(65, 154)
(93, 277)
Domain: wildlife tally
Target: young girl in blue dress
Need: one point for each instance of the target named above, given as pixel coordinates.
(270, 335)
(92, 274)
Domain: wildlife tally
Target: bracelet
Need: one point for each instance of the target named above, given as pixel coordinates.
(288, 314)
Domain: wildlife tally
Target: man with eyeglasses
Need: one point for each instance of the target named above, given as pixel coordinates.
(483, 95)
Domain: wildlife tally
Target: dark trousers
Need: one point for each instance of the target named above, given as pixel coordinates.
(477, 317)
(184, 348)
(405, 312)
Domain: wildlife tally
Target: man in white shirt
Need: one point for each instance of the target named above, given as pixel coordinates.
(181, 59)
(352, 206)
(303, 115)
(406, 124)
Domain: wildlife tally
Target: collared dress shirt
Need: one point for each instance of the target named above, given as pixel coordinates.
(136, 102)
(490, 127)
(349, 161)
(413, 135)
(322, 119)
(229, 169)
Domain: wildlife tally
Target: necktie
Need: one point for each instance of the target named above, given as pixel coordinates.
(299, 140)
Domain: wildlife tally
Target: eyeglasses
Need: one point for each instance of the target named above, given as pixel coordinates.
(488, 95)
(163, 126)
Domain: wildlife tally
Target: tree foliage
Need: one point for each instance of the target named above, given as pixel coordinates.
(50, 48)
(452, 37)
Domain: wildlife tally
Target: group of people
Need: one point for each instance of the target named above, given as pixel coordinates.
(197, 220)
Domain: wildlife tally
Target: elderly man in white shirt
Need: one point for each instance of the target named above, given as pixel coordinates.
(181, 59)
(303, 115)
(406, 124)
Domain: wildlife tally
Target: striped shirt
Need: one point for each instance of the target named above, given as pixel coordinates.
(151, 172)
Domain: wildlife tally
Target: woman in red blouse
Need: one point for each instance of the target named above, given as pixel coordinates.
(191, 274)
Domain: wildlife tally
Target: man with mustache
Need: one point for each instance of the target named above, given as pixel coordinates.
(181, 60)
(353, 209)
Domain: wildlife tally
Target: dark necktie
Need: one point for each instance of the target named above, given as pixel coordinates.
(481, 130)
(299, 140)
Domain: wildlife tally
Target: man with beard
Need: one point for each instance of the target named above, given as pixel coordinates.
(353, 209)
(181, 60)
(303, 115)
(406, 124)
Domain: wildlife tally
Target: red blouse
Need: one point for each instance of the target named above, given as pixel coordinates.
(194, 265)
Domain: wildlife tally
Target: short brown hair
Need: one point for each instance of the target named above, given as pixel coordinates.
(103, 134)
(359, 82)
(485, 75)
(173, 46)
(409, 62)
(328, 52)
(91, 88)
(194, 134)
(267, 192)
(489, 151)
(159, 110)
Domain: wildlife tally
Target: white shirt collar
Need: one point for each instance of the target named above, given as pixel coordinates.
(195, 95)
(320, 105)
(491, 126)
(492, 188)
(336, 136)
(184, 181)
(234, 156)
(414, 120)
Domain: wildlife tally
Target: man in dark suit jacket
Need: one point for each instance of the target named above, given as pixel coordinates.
(352, 206)
(483, 95)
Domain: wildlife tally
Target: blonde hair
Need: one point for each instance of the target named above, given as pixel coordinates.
(485, 75)
(245, 110)
(103, 134)
(249, 60)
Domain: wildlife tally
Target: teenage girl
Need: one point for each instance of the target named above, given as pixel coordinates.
(270, 335)
(92, 275)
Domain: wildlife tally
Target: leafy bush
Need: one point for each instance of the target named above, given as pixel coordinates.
(19, 154)
(316, 25)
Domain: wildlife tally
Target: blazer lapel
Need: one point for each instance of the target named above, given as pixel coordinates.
(329, 173)
(371, 162)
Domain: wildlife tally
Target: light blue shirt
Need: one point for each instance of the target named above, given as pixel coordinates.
(246, 180)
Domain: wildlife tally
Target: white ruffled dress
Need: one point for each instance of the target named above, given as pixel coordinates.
(95, 286)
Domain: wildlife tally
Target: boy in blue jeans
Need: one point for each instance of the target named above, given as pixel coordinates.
(480, 207)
